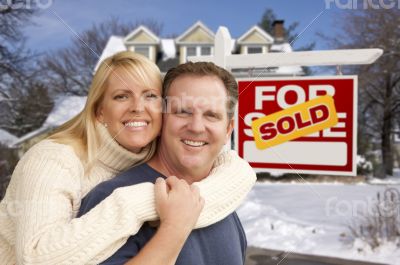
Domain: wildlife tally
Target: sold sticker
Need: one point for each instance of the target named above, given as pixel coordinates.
(294, 122)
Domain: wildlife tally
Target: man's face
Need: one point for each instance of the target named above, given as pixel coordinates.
(196, 124)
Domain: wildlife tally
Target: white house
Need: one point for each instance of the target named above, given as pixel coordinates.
(198, 40)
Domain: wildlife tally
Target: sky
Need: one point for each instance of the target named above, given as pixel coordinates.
(59, 21)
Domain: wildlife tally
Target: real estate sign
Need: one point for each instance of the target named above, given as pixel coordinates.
(298, 125)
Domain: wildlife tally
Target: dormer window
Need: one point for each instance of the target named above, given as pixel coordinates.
(198, 40)
(251, 50)
(143, 50)
(143, 41)
(206, 50)
(191, 51)
(255, 41)
(198, 50)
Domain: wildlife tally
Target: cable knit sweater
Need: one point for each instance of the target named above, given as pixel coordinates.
(37, 215)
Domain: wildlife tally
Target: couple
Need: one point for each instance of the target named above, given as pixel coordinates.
(43, 219)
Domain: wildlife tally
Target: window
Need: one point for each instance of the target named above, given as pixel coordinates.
(143, 51)
(254, 50)
(205, 50)
(191, 51)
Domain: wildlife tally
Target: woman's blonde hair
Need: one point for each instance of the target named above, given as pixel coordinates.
(80, 132)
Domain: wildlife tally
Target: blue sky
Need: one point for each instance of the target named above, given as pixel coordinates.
(47, 32)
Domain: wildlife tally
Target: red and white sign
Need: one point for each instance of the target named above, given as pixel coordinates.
(330, 151)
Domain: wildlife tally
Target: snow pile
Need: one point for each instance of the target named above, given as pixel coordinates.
(311, 219)
(389, 180)
(363, 164)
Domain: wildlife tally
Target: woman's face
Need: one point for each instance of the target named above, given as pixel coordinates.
(131, 111)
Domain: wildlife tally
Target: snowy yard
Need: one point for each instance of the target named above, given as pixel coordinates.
(311, 218)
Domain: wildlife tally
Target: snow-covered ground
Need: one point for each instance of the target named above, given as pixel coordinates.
(311, 218)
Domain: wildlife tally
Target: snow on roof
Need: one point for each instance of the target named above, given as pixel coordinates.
(7, 138)
(65, 108)
(28, 136)
(114, 45)
(283, 47)
(169, 49)
(289, 70)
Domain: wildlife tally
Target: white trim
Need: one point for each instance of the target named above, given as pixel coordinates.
(256, 28)
(307, 58)
(200, 24)
(136, 31)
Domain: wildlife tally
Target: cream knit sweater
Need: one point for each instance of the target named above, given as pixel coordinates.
(37, 215)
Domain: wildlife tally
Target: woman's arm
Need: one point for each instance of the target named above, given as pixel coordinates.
(48, 192)
(225, 188)
(47, 197)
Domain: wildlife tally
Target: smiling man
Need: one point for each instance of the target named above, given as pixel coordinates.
(200, 101)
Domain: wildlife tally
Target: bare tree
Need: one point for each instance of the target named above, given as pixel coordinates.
(22, 97)
(290, 32)
(12, 53)
(70, 70)
(379, 94)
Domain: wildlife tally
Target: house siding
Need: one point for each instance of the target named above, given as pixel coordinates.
(198, 35)
(141, 37)
(255, 38)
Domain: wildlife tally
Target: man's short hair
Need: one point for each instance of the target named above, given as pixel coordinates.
(205, 69)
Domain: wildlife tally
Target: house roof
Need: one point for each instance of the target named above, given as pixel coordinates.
(65, 108)
(200, 24)
(257, 29)
(140, 29)
(114, 45)
(168, 48)
(7, 138)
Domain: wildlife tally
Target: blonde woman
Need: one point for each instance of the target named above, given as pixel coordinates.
(38, 223)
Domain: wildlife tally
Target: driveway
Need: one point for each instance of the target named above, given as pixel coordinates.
(259, 256)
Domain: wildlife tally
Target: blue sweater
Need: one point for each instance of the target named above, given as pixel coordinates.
(223, 243)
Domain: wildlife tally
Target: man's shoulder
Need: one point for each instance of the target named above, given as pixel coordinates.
(135, 175)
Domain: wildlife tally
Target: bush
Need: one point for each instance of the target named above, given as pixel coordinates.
(364, 166)
(381, 223)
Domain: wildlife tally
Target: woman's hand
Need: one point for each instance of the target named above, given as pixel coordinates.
(178, 203)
